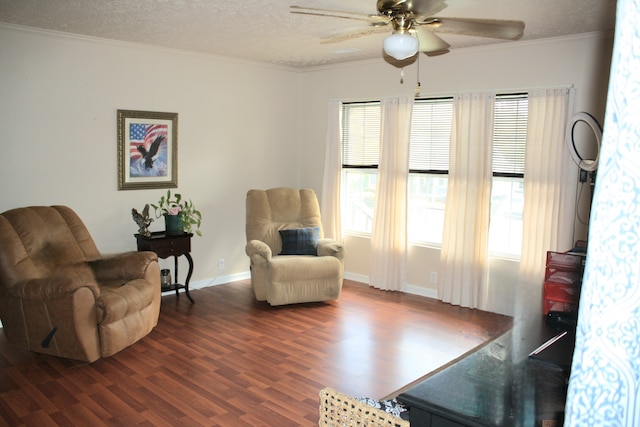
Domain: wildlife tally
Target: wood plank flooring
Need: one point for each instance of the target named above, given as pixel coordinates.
(228, 360)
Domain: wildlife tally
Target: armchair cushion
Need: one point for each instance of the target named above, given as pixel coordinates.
(65, 281)
(118, 302)
(258, 248)
(300, 241)
(120, 268)
(330, 247)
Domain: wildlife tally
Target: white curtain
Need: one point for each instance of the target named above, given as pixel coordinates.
(604, 388)
(464, 254)
(330, 205)
(389, 234)
(549, 190)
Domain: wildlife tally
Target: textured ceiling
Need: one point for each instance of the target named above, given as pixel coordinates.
(265, 31)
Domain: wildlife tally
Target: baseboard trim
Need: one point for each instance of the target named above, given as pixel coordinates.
(423, 292)
(356, 277)
(219, 280)
(410, 289)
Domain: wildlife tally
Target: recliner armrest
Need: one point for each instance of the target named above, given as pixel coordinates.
(330, 247)
(67, 280)
(256, 247)
(122, 267)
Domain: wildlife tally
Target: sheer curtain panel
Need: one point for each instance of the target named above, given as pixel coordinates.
(330, 201)
(389, 234)
(464, 254)
(549, 192)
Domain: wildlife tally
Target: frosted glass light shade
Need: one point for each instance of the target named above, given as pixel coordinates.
(400, 45)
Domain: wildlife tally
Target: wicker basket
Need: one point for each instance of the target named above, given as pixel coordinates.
(338, 410)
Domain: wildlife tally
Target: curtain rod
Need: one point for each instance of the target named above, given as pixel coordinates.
(450, 94)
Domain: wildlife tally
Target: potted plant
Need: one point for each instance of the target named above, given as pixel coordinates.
(179, 214)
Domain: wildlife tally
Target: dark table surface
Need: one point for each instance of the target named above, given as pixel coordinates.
(500, 384)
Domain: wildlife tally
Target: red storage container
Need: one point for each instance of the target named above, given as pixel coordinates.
(564, 260)
(559, 275)
(551, 305)
(563, 280)
(560, 297)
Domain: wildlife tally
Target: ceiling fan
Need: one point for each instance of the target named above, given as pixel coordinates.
(414, 26)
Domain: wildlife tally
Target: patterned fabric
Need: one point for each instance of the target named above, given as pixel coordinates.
(392, 406)
(300, 241)
(604, 388)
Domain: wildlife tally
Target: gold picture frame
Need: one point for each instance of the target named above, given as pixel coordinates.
(147, 150)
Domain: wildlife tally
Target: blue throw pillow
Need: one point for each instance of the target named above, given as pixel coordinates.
(300, 241)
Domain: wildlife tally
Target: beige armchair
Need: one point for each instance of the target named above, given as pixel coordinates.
(59, 296)
(305, 266)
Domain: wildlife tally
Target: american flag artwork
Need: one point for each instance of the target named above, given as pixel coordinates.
(141, 138)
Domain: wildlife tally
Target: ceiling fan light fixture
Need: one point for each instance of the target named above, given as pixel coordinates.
(401, 45)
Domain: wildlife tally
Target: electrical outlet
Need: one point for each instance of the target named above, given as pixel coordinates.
(434, 277)
(221, 264)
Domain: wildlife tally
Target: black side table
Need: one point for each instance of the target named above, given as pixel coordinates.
(166, 245)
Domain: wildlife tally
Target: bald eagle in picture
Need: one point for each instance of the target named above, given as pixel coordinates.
(149, 156)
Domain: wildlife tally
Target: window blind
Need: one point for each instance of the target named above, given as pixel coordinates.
(510, 135)
(361, 134)
(430, 135)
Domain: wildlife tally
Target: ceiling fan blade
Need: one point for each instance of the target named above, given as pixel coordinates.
(332, 16)
(427, 7)
(493, 28)
(335, 14)
(340, 37)
(430, 42)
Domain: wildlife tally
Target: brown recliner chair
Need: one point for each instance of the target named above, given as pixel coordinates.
(59, 296)
(307, 267)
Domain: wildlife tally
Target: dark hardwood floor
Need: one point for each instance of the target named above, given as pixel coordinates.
(228, 360)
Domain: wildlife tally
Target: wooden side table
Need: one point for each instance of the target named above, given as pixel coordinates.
(166, 245)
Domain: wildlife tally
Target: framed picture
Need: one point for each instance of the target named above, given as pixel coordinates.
(147, 150)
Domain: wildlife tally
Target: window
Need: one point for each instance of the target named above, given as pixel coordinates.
(507, 190)
(428, 169)
(360, 155)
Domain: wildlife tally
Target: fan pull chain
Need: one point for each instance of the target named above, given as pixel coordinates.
(402, 76)
(417, 91)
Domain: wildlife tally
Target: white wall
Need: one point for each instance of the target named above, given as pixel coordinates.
(241, 125)
(59, 97)
(582, 61)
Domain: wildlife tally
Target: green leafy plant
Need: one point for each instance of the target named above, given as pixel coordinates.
(176, 205)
